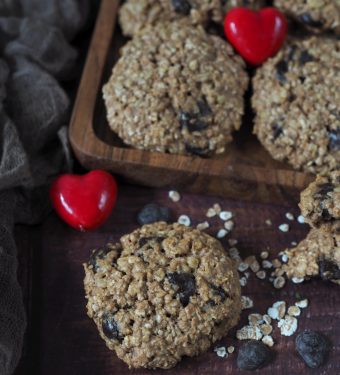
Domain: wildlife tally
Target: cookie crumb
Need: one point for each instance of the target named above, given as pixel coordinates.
(284, 227)
(232, 242)
(268, 222)
(174, 195)
(185, 220)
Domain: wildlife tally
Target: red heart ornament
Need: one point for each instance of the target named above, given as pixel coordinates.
(255, 35)
(84, 202)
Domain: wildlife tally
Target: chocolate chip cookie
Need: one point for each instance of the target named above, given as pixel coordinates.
(176, 89)
(134, 15)
(317, 255)
(320, 202)
(296, 99)
(316, 15)
(161, 293)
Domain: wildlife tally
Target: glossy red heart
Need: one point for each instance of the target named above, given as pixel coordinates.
(256, 35)
(84, 202)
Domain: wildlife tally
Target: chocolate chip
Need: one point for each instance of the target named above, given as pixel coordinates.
(184, 118)
(305, 57)
(186, 285)
(181, 6)
(281, 70)
(253, 355)
(152, 213)
(190, 122)
(323, 190)
(302, 79)
(326, 216)
(313, 347)
(307, 19)
(219, 292)
(334, 139)
(110, 327)
(291, 52)
(97, 254)
(277, 131)
(144, 240)
(328, 270)
(204, 108)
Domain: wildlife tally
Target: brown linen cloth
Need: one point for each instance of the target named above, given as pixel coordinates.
(35, 55)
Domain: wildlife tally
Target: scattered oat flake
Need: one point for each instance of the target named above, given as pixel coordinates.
(232, 242)
(268, 340)
(281, 307)
(221, 233)
(269, 222)
(247, 275)
(234, 253)
(298, 280)
(276, 263)
(264, 255)
(302, 304)
(284, 258)
(247, 303)
(267, 319)
(243, 281)
(289, 216)
(221, 351)
(229, 225)
(185, 220)
(279, 282)
(249, 333)
(231, 349)
(255, 319)
(211, 212)
(267, 264)
(217, 208)
(202, 226)
(243, 267)
(288, 325)
(293, 243)
(174, 195)
(284, 227)
(266, 329)
(294, 311)
(261, 274)
(301, 219)
(255, 266)
(225, 215)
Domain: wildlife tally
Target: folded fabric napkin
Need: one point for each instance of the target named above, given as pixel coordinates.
(35, 55)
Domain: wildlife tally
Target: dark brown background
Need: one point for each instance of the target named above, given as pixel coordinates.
(62, 340)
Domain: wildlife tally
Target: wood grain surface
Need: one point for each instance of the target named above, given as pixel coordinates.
(61, 339)
(245, 171)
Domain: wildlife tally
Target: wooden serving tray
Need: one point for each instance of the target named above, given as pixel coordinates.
(245, 171)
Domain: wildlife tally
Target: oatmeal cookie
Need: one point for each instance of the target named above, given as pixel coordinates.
(316, 15)
(176, 89)
(161, 293)
(317, 255)
(296, 99)
(320, 202)
(134, 15)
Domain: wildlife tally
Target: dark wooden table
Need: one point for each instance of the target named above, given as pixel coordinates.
(61, 339)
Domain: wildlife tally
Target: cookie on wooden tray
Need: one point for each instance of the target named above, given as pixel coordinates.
(161, 293)
(134, 15)
(296, 99)
(316, 15)
(318, 255)
(176, 89)
(320, 202)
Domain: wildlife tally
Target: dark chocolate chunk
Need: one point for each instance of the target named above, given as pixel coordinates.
(328, 270)
(277, 131)
(307, 19)
(305, 57)
(302, 79)
(324, 189)
(151, 213)
(219, 292)
(186, 285)
(334, 139)
(204, 108)
(98, 254)
(281, 70)
(253, 355)
(313, 347)
(184, 118)
(197, 150)
(326, 216)
(181, 6)
(110, 327)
